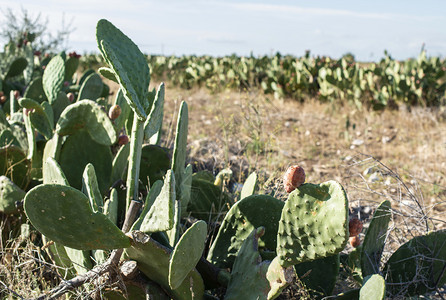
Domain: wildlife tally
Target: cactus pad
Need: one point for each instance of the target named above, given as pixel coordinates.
(15, 165)
(155, 119)
(155, 161)
(88, 115)
(374, 288)
(9, 195)
(249, 186)
(52, 173)
(374, 240)
(64, 215)
(153, 261)
(187, 253)
(160, 217)
(91, 88)
(243, 217)
(314, 223)
(38, 117)
(417, 267)
(128, 63)
(53, 77)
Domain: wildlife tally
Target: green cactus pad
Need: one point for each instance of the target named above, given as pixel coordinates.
(71, 65)
(53, 78)
(155, 161)
(248, 276)
(111, 207)
(108, 73)
(64, 215)
(87, 115)
(207, 201)
(179, 149)
(81, 260)
(153, 260)
(38, 117)
(187, 253)
(17, 67)
(279, 278)
(78, 150)
(128, 63)
(91, 88)
(126, 111)
(249, 186)
(60, 258)
(52, 173)
(417, 267)
(7, 138)
(15, 165)
(120, 162)
(9, 195)
(52, 148)
(374, 288)
(91, 189)
(314, 223)
(319, 276)
(160, 217)
(153, 194)
(243, 217)
(375, 239)
(186, 188)
(35, 90)
(59, 105)
(155, 119)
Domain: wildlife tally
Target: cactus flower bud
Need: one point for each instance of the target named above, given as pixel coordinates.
(114, 112)
(66, 83)
(70, 97)
(355, 241)
(355, 227)
(123, 139)
(293, 178)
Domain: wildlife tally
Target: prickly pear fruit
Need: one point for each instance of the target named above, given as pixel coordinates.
(123, 139)
(70, 97)
(354, 227)
(114, 112)
(354, 241)
(293, 178)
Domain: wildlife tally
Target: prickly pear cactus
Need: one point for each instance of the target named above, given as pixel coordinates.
(87, 115)
(160, 217)
(374, 288)
(314, 223)
(243, 217)
(91, 88)
(249, 186)
(154, 121)
(15, 165)
(319, 276)
(56, 210)
(38, 117)
(179, 150)
(53, 77)
(375, 239)
(153, 260)
(74, 158)
(155, 161)
(9, 195)
(128, 64)
(417, 267)
(187, 253)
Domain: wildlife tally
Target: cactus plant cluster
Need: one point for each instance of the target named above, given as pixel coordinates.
(388, 82)
(81, 188)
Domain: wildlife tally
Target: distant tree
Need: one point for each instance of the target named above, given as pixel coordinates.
(21, 28)
(349, 57)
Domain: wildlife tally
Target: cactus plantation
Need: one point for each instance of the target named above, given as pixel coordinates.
(91, 179)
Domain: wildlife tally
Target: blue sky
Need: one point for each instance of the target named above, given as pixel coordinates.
(217, 27)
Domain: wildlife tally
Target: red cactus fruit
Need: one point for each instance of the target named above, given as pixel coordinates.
(293, 178)
(2, 99)
(66, 83)
(123, 139)
(16, 94)
(355, 227)
(355, 241)
(114, 112)
(70, 97)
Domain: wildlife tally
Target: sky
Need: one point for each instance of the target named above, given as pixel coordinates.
(223, 27)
